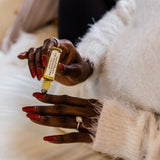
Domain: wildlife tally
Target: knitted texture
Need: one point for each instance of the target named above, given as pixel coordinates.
(124, 47)
(119, 131)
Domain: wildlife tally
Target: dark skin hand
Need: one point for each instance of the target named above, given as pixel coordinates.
(62, 112)
(72, 69)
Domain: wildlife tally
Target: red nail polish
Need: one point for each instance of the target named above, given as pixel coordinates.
(32, 70)
(29, 109)
(61, 67)
(21, 55)
(33, 116)
(49, 138)
(44, 59)
(38, 95)
(39, 74)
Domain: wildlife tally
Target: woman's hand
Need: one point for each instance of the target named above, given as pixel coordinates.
(63, 112)
(71, 70)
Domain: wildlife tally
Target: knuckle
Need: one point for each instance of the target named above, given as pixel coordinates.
(91, 137)
(39, 49)
(94, 108)
(90, 113)
(66, 42)
(86, 123)
(50, 41)
(90, 127)
(53, 40)
(31, 53)
(47, 40)
(95, 102)
(31, 50)
(45, 49)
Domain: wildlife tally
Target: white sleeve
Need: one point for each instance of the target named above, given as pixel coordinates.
(95, 43)
(128, 133)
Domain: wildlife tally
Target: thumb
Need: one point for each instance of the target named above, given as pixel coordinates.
(23, 55)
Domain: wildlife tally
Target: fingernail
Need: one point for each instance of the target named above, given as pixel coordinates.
(21, 55)
(33, 116)
(61, 67)
(38, 95)
(44, 59)
(49, 138)
(32, 70)
(39, 74)
(29, 109)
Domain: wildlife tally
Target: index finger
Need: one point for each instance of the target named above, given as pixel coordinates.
(64, 99)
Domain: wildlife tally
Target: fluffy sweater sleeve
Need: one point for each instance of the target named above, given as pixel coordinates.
(95, 43)
(127, 133)
(123, 131)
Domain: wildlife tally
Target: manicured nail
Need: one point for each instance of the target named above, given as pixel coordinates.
(32, 70)
(29, 109)
(49, 138)
(61, 68)
(38, 95)
(44, 59)
(33, 116)
(39, 74)
(21, 55)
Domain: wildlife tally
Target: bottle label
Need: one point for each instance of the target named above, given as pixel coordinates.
(53, 63)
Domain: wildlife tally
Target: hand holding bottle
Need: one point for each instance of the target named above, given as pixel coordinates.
(72, 68)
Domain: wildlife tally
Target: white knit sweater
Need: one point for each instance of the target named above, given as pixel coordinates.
(125, 48)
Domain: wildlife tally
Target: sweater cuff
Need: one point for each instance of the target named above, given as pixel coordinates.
(120, 130)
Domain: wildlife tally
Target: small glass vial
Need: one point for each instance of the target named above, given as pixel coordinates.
(50, 69)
